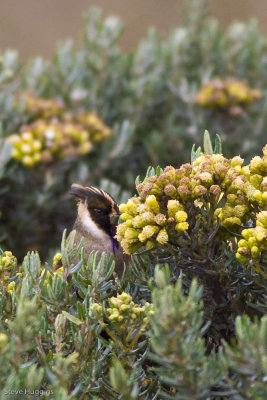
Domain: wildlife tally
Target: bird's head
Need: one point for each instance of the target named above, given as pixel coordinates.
(96, 209)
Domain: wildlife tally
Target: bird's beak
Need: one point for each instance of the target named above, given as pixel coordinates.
(114, 218)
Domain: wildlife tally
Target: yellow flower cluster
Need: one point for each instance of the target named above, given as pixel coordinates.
(58, 271)
(38, 106)
(7, 263)
(55, 135)
(161, 212)
(247, 187)
(255, 240)
(98, 130)
(226, 93)
(123, 311)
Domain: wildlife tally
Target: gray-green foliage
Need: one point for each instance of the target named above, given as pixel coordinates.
(195, 344)
(58, 347)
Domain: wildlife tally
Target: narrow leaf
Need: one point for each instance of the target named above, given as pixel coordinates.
(207, 145)
(71, 318)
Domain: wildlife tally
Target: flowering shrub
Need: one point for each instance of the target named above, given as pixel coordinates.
(230, 93)
(82, 329)
(123, 320)
(144, 103)
(180, 206)
(53, 134)
(8, 262)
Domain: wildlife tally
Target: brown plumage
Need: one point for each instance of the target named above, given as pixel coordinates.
(96, 222)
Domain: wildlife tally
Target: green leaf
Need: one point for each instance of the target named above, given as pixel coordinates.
(218, 144)
(195, 153)
(159, 171)
(71, 318)
(207, 145)
(80, 310)
(76, 268)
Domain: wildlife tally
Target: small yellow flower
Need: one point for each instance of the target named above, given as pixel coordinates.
(173, 207)
(162, 237)
(182, 226)
(147, 232)
(181, 216)
(152, 203)
(11, 286)
(3, 340)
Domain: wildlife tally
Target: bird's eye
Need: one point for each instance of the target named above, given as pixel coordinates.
(98, 211)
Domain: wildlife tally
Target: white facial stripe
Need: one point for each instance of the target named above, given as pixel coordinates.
(89, 224)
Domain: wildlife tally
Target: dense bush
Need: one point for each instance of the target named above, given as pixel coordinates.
(187, 319)
(77, 331)
(155, 100)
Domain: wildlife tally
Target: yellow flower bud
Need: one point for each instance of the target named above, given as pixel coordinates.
(181, 216)
(124, 307)
(59, 271)
(3, 341)
(27, 136)
(205, 178)
(199, 190)
(241, 258)
(37, 145)
(123, 207)
(14, 139)
(240, 210)
(26, 149)
(125, 216)
(236, 161)
(28, 161)
(86, 147)
(148, 217)
(231, 221)
(182, 226)
(127, 298)
(257, 195)
(11, 286)
(15, 153)
(231, 198)
(243, 243)
(215, 190)
(152, 203)
(160, 219)
(57, 257)
(121, 229)
(113, 317)
(262, 218)
(256, 164)
(147, 232)
(251, 241)
(131, 233)
(255, 251)
(170, 190)
(260, 237)
(150, 244)
(37, 157)
(132, 208)
(138, 222)
(173, 206)
(245, 233)
(162, 236)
